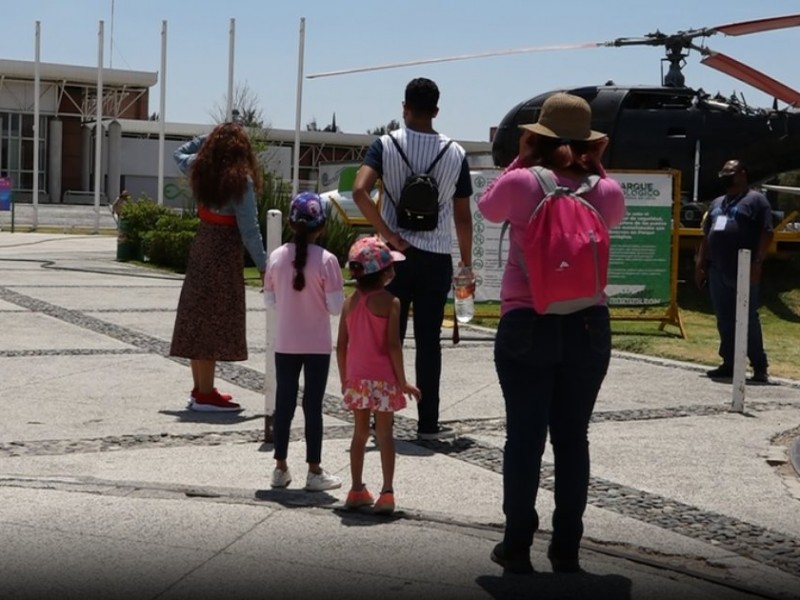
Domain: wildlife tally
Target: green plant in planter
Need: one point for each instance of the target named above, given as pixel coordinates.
(138, 218)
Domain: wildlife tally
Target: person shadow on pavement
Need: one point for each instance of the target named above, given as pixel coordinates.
(295, 498)
(222, 418)
(546, 586)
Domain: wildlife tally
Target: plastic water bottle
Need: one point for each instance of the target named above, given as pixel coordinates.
(465, 303)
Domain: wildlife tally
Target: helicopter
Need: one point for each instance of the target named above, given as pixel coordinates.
(671, 126)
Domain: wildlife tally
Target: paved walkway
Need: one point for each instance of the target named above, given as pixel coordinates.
(110, 488)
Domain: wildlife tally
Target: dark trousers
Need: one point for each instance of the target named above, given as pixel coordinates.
(550, 369)
(424, 280)
(315, 377)
(723, 299)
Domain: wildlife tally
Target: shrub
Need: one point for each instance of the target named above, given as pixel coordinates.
(137, 218)
(168, 248)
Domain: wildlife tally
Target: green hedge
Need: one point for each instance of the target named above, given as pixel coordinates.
(168, 248)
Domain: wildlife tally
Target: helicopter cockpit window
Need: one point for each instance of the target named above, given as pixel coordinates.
(657, 101)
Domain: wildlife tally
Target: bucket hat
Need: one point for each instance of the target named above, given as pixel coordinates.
(567, 117)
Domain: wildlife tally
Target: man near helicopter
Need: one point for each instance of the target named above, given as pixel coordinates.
(739, 219)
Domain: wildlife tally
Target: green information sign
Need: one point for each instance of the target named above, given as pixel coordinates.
(641, 246)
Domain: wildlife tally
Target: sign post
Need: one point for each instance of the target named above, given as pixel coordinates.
(742, 324)
(6, 200)
(274, 228)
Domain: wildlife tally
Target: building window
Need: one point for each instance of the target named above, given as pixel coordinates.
(16, 150)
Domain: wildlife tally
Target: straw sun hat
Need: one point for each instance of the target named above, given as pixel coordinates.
(566, 117)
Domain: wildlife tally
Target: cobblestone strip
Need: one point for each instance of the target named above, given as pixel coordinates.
(70, 352)
(150, 440)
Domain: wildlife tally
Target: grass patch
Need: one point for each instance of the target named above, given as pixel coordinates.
(780, 320)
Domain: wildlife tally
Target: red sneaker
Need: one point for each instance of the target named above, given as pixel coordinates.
(212, 402)
(358, 498)
(226, 397)
(385, 504)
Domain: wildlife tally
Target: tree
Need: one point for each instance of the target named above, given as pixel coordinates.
(331, 127)
(246, 101)
(383, 129)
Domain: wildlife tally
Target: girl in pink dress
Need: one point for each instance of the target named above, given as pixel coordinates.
(370, 358)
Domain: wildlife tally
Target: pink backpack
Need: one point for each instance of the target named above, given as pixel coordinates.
(565, 248)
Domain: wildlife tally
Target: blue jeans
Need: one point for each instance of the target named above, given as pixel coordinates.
(424, 280)
(723, 299)
(287, 374)
(550, 369)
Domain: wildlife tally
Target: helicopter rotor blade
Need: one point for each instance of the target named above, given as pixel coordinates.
(757, 25)
(760, 81)
(429, 61)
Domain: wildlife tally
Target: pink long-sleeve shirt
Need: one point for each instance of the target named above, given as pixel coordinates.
(513, 197)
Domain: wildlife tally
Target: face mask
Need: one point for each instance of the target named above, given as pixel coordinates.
(726, 180)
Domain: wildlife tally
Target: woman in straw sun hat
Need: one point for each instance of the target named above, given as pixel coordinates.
(550, 367)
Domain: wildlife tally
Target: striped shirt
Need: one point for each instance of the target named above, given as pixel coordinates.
(451, 173)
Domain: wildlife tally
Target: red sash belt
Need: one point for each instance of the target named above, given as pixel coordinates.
(211, 217)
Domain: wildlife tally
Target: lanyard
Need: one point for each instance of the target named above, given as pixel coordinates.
(728, 205)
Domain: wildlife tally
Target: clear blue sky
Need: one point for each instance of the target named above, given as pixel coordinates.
(351, 33)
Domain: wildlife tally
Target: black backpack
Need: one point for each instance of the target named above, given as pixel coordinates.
(418, 206)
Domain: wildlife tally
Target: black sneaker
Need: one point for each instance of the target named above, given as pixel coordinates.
(563, 564)
(518, 565)
(759, 376)
(721, 372)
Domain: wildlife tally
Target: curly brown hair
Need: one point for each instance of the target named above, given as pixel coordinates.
(223, 165)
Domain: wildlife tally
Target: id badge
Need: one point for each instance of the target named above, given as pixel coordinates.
(720, 222)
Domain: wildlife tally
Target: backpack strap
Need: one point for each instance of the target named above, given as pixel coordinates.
(438, 156)
(549, 184)
(400, 150)
(405, 158)
(408, 164)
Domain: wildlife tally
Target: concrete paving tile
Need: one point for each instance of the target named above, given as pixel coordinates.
(24, 330)
(108, 395)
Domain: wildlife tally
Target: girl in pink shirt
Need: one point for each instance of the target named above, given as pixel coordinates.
(304, 284)
(370, 357)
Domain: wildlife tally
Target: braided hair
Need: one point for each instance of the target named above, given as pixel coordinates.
(300, 255)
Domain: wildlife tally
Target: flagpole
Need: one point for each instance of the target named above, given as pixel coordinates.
(98, 130)
(296, 170)
(162, 116)
(231, 45)
(36, 129)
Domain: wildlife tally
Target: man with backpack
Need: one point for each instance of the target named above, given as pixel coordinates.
(427, 187)
(553, 342)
